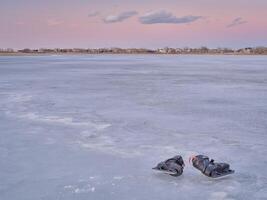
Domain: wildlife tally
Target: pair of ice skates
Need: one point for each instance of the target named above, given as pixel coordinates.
(175, 166)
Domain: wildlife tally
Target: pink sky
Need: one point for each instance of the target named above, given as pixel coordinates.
(125, 23)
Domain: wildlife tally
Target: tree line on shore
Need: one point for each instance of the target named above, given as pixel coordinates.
(166, 50)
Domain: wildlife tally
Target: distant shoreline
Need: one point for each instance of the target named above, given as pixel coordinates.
(135, 51)
(171, 54)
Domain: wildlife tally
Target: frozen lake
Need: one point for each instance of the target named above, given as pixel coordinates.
(91, 127)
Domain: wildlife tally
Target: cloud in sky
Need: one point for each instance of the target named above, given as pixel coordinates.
(120, 17)
(20, 23)
(237, 21)
(93, 13)
(165, 17)
(54, 22)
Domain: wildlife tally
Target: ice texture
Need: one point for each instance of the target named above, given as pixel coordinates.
(92, 127)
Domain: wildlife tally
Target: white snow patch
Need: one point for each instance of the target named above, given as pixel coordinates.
(218, 196)
(79, 190)
(49, 141)
(118, 177)
(68, 187)
(92, 189)
(19, 98)
(68, 121)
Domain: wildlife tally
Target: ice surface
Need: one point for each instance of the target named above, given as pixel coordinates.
(92, 127)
